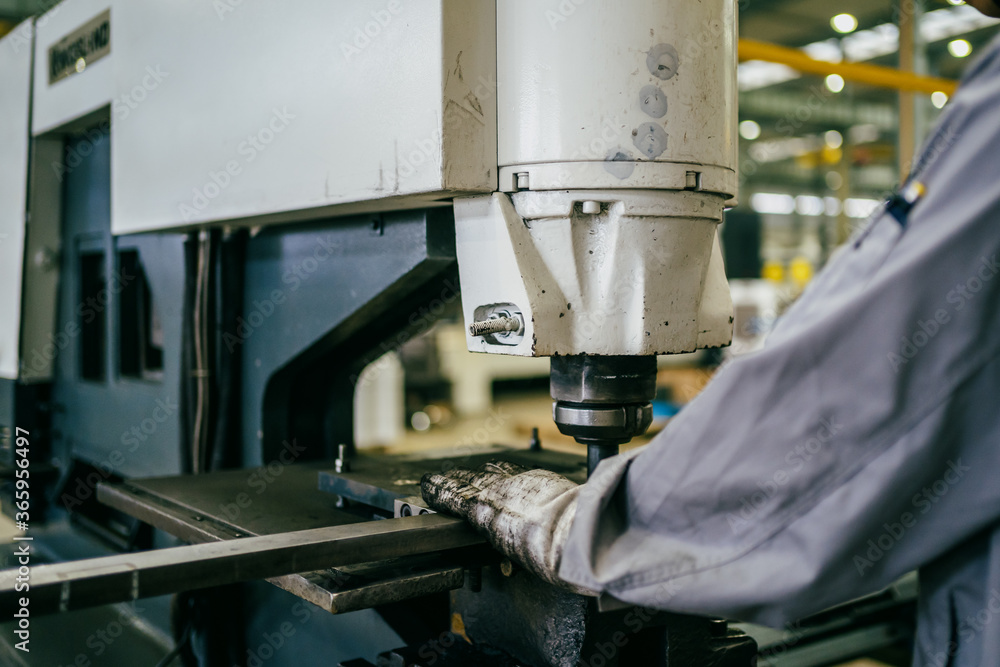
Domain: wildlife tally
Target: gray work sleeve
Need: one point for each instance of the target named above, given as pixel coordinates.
(859, 444)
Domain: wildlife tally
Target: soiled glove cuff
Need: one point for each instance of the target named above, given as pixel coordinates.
(526, 514)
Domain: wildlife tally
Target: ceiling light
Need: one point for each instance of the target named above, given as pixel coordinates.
(939, 99)
(749, 130)
(834, 139)
(959, 48)
(956, 2)
(809, 205)
(859, 208)
(844, 23)
(770, 202)
(834, 83)
(863, 134)
(881, 40)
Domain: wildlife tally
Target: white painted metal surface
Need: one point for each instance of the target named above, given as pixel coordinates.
(15, 82)
(617, 140)
(625, 93)
(643, 276)
(271, 113)
(71, 98)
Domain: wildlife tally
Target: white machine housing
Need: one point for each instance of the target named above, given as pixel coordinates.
(15, 81)
(617, 154)
(270, 112)
(588, 146)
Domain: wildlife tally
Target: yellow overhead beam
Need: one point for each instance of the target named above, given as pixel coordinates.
(872, 75)
(5, 27)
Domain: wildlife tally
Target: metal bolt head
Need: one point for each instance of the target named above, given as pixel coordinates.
(342, 463)
(507, 567)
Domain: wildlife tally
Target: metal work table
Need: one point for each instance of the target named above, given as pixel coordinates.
(241, 503)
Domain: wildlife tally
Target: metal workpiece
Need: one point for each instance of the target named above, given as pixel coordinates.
(388, 483)
(226, 505)
(77, 584)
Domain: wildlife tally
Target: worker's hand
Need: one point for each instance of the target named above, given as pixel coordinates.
(526, 514)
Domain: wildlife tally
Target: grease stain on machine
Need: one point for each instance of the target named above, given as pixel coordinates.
(650, 139)
(663, 61)
(653, 101)
(619, 164)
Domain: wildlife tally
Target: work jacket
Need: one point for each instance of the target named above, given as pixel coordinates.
(862, 442)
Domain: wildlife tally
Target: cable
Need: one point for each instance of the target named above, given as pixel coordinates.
(200, 370)
(176, 651)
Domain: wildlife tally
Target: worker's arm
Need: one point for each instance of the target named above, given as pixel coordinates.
(859, 444)
(842, 455)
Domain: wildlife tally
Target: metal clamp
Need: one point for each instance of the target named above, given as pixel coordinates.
(410, 506)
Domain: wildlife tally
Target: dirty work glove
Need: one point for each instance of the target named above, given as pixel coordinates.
(526, 514)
